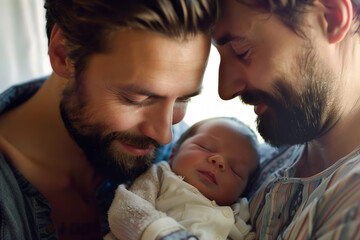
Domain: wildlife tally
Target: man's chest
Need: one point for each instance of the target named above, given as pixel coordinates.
(277, 205)
(75, 218)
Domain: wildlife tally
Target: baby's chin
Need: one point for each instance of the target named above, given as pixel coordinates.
(225, 201)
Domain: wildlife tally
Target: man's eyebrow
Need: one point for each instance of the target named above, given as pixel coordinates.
(197, 92)
(137, 90)
(226, 38)
(141, 91)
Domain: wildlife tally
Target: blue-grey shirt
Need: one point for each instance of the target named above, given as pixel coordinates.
(24, 211)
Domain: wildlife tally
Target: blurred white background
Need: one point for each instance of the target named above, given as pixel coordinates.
(209, 104)
(23, 42)
(23, 56)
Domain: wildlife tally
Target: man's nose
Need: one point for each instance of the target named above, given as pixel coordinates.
(231, 75)
(218, 161)
(157, 123)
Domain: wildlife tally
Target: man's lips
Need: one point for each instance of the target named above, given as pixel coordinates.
(259, 108)
(137, 151)
(209, 176)
(257, 99)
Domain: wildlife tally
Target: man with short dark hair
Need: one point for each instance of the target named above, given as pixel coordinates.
(123, 72)
(298, 63)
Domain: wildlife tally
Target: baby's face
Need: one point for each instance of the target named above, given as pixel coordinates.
(217, 160)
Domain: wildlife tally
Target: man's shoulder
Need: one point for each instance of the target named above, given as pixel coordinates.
(13, 184)
(7, 174)
(333, 207)
(272, 160)
(347, 171)
(13, 208)
(17, 94)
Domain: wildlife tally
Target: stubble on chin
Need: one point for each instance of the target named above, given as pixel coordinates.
(97, 144)
(296, 116)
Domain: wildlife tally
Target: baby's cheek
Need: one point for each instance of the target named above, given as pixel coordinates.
(233, 189)
(238, 187)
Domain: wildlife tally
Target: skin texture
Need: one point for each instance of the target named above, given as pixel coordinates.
(270, 55)
(281, 74)
(304, 88)
(218, 160)
(123, 107)
(272, 67)
(135, 91)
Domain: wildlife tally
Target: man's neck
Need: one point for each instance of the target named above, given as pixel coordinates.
(38, 142)
(339, 141)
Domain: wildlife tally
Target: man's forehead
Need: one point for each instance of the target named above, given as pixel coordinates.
(237, 21)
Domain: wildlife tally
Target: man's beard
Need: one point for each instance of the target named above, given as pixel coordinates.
(296, 117)
(99, 147)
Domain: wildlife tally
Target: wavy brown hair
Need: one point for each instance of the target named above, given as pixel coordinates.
(291, 12)
(87, 24)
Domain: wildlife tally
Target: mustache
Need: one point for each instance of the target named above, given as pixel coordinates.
(256, 96)
(141, 142)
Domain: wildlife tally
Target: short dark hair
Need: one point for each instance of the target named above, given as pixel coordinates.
(291, 12)
(191, 131)
(86, 24)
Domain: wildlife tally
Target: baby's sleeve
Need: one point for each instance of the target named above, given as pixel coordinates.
(241, 229)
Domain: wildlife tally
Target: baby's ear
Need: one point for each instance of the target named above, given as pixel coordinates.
(172, 155)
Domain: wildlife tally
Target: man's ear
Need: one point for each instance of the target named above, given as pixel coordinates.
(60, 62)
(338, 15)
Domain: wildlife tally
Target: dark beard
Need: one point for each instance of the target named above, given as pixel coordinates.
(99, 148)
(295, 117)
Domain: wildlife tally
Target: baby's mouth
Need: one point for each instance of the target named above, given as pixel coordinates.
(208, 176)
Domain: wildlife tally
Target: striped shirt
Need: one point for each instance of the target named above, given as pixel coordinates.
(324, 206)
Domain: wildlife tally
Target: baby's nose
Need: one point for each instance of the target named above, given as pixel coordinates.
(218, 160)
